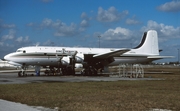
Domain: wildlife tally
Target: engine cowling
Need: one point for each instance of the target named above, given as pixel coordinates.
(78, 65)
(65, 60)
(79, 58)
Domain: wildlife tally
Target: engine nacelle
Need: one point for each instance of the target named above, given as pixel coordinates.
(79, 58)
(77, 65)
(65, 60)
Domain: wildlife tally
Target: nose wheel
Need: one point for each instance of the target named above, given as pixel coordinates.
(22, 72)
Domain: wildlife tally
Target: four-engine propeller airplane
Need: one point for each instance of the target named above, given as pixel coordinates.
(67, 59)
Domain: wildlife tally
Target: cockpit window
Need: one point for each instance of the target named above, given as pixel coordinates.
(21, 51)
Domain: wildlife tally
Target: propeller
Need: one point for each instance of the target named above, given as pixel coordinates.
(59, 61)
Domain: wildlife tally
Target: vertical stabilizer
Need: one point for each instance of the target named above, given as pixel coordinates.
(148, 44)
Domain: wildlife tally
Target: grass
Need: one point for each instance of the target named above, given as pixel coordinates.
(100, 96)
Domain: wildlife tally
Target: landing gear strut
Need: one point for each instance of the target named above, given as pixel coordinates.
(89, 71)
(22, 72)
(68, 71)
(52, 71)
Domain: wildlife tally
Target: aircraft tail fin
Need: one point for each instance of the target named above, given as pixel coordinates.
(148, 44)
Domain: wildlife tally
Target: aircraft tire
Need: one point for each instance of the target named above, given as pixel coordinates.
(19, 73)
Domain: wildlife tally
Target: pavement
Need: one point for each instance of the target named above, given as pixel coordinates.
(12, 78)
(13, 106)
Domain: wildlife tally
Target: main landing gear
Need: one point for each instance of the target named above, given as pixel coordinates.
(89, 71)
(68, 71)
(60, 71)
(52, 71)
(22, 72)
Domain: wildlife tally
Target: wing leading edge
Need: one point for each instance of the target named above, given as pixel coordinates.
(111, 54)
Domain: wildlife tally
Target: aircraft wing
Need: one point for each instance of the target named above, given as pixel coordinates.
(111, 54)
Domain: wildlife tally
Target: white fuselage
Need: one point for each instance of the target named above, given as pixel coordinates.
(51, 55)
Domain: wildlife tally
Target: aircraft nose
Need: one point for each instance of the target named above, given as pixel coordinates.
(6, 57)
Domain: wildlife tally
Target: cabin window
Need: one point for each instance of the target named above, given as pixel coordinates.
(45, 53)
(24, 51)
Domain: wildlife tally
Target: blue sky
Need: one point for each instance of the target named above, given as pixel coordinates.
(120, 23)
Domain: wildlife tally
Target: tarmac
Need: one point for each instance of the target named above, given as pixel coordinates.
(12, 78)
(13, 106)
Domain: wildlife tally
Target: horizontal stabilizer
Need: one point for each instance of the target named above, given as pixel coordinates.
(111, 54)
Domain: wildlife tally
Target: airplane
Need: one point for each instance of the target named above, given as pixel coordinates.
(91, 60)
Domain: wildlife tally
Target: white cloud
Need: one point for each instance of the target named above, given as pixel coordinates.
(19, 39)
(84, 23)
(22, 39)
(110, 15)
(8, 39)
(31, 24)
(48, 43)
(85, 20)
(1, 43)
(47, 23)
(6, 26)
(59, 28)
(65, 30)
(118, 33)
(84, 16)
(10, 35)
(173, 6)
(131, 21)
(165, 32)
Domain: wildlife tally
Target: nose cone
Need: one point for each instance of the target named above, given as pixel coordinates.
(7, 57)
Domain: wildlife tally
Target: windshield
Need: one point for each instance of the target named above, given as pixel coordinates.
(21, 51)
